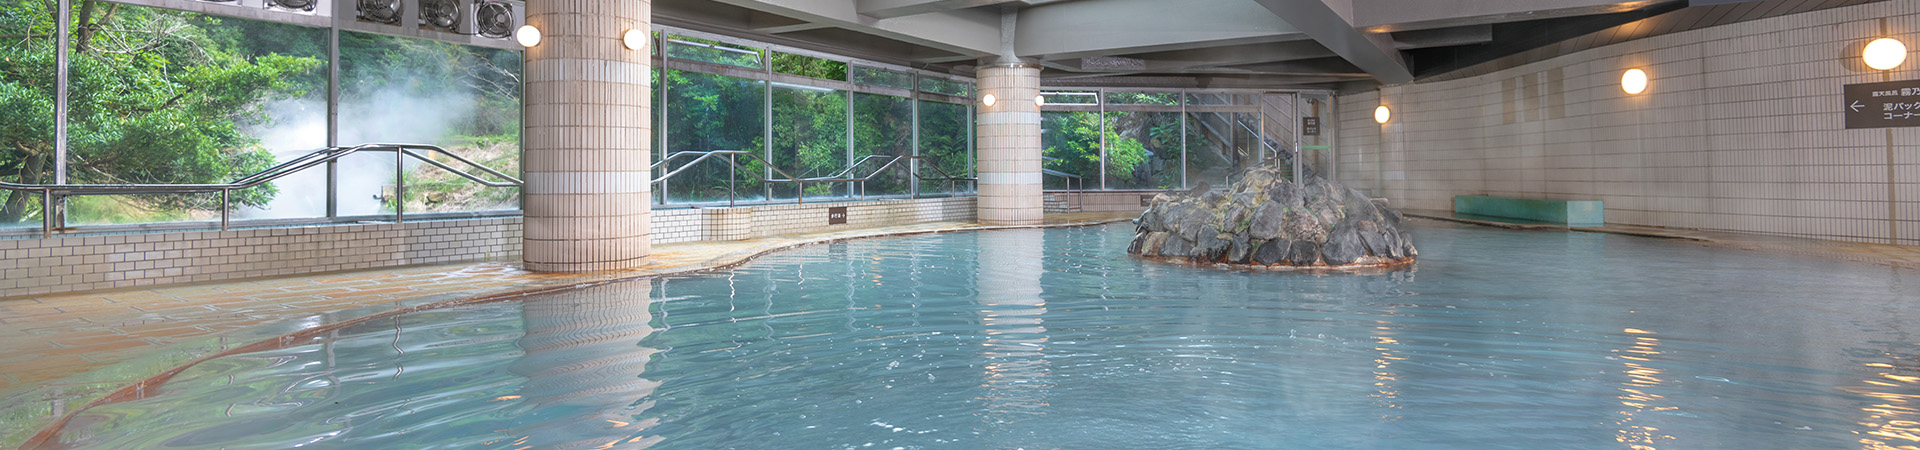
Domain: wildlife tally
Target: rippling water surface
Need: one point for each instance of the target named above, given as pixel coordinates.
(1057, 340)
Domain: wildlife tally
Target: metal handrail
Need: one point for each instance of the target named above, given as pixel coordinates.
(842, 176)
(48, 192)
(1071, 180)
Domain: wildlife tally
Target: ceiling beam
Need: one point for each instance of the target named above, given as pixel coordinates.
(1443, 37)
(1373, 53)
(1079, 29)
(967, 32)
(1379, 16)
(887, 9)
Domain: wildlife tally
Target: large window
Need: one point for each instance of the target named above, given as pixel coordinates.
(808, 116)
(402, 90)
(164, 96)
(160, 96)
(706, 113)
(1172, 139)
(27, 66)
(883, 125)
(946, 134)
(809, 139)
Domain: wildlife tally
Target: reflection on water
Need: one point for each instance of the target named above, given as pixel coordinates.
(1638, 395)
(1056, 340)
(581, 363)
(1014, 356)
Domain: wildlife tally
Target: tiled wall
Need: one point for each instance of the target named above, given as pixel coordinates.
(722, 224)
(1741, 130)
(42, 266)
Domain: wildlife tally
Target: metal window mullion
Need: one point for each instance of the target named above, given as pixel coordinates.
(1183, 140)
(333, 119)
(1102, 100)
(913, 164)
(660, 64)
(863, 185)
(766, 130)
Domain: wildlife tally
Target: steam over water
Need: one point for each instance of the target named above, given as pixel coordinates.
(1056, 340)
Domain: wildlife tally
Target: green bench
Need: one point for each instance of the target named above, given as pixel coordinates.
(1572, 213)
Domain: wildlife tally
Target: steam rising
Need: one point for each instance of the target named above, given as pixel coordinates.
(389, 116)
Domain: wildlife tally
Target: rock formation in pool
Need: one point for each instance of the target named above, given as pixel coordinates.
(1266, 221)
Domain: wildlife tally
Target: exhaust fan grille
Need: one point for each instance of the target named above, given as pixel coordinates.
(494, 20)
(442, 14)
(383, 11)
(303, 5)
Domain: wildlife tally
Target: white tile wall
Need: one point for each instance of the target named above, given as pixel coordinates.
(1740, 130)
(44, 266)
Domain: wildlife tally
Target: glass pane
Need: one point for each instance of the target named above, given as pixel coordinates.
(461, 98)
(1219, 99)
(1143, 98)
(944, 128)
(883, 125)
(809, 139)
(27, 66)
(808, 66)
(878, 77)
(1218, 147)
(697, 49)
(1069, 145)
(948, 87)
(1143, 150)
(1060, 98)
(713, 112)
(171, 97)
(132, 209)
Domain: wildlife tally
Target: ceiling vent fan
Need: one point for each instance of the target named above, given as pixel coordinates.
(494, 19)
(441, 15)
(296, 5)
(382, 11)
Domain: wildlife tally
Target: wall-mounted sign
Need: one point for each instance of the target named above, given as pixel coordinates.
(1309, 126)
(836, 215)
(1882, 105)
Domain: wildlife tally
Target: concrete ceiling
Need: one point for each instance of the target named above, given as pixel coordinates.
(1271, 44)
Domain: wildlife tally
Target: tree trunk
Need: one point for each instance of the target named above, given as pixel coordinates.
(15, 209)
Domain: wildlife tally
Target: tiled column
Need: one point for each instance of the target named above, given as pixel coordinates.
(587, 137)
(1009, 146)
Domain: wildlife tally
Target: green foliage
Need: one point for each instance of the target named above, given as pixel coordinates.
(154, 98)
(808, 66)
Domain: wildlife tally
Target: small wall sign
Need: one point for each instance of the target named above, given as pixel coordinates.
(1881, 105)
(836, 215)
(1309, 126)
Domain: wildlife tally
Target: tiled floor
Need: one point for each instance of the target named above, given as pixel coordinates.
(45, 340)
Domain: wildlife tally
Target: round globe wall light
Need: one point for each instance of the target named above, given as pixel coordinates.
(1039, 100)
(1634, 81)
(527, 35)
(634, 39)
(1381, 114)
(1884, 53)
(987, 99)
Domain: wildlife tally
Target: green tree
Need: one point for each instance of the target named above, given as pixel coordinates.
(154, 98)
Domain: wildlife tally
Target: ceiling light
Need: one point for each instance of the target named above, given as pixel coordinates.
(1885, 53)
(528, 36)
(1634, 81)
(634, 39)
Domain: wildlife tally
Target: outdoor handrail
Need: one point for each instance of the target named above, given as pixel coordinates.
(842, 176)
(304, 162)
